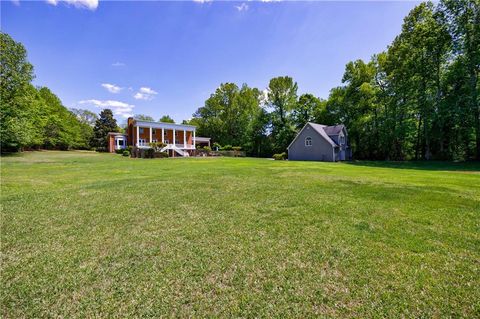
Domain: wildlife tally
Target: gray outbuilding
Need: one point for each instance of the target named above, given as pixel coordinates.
(316, 142)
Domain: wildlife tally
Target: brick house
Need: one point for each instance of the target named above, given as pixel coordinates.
(180, 139)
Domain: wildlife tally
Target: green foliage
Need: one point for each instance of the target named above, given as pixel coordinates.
(161, 154)
(280, 157)
(157, 146)
(228, 113)
(207, 149)
(227, 148)
(30, 117)
(126, 153)
(149, 153)
(167, 119)
(306, 110)
(237, 148)
(217, 146)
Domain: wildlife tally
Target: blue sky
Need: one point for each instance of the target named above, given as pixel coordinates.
(157, 58)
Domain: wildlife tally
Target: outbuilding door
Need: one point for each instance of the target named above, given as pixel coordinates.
(342, 155)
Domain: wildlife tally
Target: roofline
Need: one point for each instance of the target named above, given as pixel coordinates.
(288, 147)
(153, 122)
(329, 140)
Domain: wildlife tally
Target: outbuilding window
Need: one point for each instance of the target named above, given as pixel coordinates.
(342, 139)
(308, 141)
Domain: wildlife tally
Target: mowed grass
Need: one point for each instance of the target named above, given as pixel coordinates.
(101, 235)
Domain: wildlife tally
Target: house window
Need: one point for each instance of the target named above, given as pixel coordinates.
(142, 142)
(166, 141)
(165, 133)
(154, 131)
(141, 130)
(308, 141)
(154, 141)
(176, 133)
(120, 142)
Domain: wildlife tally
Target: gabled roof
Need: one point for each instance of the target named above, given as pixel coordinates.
(334, 130)
(320, 129)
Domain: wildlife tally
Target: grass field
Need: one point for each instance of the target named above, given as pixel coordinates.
(100, 235)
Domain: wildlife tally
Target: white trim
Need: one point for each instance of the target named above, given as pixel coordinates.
(174, 141)
(150, 140)
(169, 126)
(309, 138)
(184, 138)
(163, 136)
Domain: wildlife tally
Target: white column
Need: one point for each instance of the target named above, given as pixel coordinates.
(150, 141)
(163, 136)
(174, 137)
(138, 135)
(185, 138)
(194, 139)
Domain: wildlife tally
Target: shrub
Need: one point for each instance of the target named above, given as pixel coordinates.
(161, 154)
(217, 146)
(157, 146)
(126, 153)
(227, 148)
(119, 151)
(207, 149)
(149, 153)
(101, 149)
(237, 148)
(280, 157)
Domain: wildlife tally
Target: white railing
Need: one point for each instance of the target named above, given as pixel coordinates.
(169, 146)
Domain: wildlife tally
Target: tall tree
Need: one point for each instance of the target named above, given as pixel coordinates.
(282, 98)
(17, 96)
(105, 124)
(306, 110)
(226, 115)
(464, 24)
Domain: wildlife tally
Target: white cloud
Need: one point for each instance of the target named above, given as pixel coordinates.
(83, 4)
(118, 64)
(16, 2)
(117, 107)
(145, 93)
(202, 1)
(242, 7)
(112, 88)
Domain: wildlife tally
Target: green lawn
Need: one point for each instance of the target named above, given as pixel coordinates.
(89, 235)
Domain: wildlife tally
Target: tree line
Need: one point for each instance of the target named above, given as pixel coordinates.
(34, 117)
(419, 99)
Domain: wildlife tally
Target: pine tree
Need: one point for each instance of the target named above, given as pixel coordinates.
(105, 124)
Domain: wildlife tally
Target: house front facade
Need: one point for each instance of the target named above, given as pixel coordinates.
(316, 142)
(180, 139)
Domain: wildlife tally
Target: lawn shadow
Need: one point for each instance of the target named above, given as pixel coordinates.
(473, 166)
